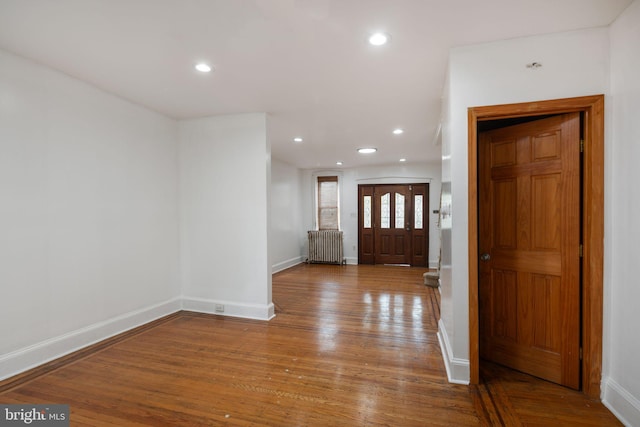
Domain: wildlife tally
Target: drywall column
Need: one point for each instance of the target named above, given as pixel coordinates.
(224, 215)
(287, 242)
(621, 371)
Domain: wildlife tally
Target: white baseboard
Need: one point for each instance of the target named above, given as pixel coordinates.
(37, 354)
(458, 371)
(621, 403)
(233, 309)
(275, 268)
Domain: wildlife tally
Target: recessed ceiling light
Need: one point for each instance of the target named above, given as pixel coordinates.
(367, 150)
(339, 163)
(297, 139)
(403, 160)
(378, 39)
(203, 68)
(398, 131)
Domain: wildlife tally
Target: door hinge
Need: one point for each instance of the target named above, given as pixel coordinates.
(580, 251)
(582, 145)
(580, 353)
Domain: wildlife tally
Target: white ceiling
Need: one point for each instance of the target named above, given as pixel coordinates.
(305, 62)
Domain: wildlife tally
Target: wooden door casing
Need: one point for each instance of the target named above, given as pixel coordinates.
(529, 226)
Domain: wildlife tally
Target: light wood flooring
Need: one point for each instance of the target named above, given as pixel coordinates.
(349, 346)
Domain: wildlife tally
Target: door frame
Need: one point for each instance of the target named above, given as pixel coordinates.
(592, 177)
(426, 222)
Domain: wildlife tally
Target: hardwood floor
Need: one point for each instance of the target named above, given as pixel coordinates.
(350, 346)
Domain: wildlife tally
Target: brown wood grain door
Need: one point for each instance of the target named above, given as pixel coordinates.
(393, 225)
(419, 225)
(366, 235)
(392, 231)
(529, 246)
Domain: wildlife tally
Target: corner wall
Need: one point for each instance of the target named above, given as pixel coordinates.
(287, 243)
(224, 215)
(88, 215)
(573, 64)
(621, 379)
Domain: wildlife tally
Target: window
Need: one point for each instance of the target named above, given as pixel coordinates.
(328, 203)
(367, 211)
(399, 210)
(417, 224)
(385, 211)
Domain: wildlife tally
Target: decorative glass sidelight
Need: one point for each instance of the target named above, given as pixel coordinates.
(385, 211)
(399, 210)
(367, 211)
(417, 209)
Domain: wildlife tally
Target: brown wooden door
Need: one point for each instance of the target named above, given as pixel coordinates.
(393, 224)
(366, 233)
(419, 225)
(529, 223)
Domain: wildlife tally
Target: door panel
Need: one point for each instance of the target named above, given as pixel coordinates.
(530, 232)
(393, 233)
(366, 254)
(419, 224)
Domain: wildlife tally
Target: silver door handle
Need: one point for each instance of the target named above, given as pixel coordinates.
(485, 257)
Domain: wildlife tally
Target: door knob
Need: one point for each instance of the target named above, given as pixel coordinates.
(485, 257)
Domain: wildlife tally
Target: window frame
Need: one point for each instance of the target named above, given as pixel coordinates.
(333, 177)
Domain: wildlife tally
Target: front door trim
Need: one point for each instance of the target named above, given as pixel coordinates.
(592, 108)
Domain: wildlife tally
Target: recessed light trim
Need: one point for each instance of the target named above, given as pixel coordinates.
(297, 139)
(398, 131)
(367, 150)
(379, 38)
(202, 67)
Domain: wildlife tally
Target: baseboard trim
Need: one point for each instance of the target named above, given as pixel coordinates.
(621, 403)
(458, 371)
(233, 309)
(278, 267)
(33, 356)
(352, 260)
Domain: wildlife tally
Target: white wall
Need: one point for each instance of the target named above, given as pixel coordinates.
(621, 379)
(88, 215)
(574, 64)
(350, 178)
(287, 242)
(224, 215)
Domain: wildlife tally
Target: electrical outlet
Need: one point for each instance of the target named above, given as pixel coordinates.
(219, 308)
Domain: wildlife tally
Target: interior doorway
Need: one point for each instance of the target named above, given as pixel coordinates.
(591, 220)
(529, 235)
(393, 225)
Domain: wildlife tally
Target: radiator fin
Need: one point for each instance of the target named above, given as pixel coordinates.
(325, 246)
